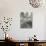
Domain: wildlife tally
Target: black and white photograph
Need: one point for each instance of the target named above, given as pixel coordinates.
(26, 20)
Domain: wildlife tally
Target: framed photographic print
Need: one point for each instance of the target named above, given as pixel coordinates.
(25, 20)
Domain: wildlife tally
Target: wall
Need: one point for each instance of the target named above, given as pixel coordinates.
(45, 28)
(12, 8)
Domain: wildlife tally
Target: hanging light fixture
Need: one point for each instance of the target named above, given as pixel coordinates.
(35, 3)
